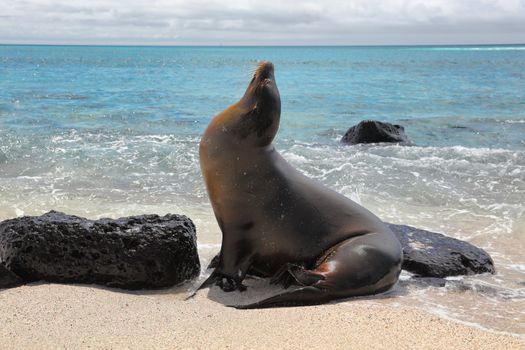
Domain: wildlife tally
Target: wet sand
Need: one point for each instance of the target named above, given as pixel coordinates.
(50, 316)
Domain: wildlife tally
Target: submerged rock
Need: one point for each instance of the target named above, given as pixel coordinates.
(373, 131)
(146, 251)
(431, 254)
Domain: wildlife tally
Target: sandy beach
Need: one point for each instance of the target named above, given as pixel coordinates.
(51, 316)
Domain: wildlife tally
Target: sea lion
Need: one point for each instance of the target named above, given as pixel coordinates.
(276, 222)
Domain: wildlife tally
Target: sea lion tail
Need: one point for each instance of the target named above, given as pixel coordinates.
(303, 296)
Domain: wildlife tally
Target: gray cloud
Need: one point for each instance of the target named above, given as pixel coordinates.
(261, 22)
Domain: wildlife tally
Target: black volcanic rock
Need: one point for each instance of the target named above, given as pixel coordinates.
(430, 254)
(373, 131)
(136, 252)
(8, 279)
(149, 251)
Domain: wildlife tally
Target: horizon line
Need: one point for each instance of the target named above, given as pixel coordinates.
(259, 45)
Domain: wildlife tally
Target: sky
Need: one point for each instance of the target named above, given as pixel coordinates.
(271, 22)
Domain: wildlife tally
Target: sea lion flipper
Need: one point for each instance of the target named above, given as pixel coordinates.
(214, 263)
(232, 268)
(229, 284)
(357, 266)
(291, 274)
(225, 283)
(208, 282)
(303, 296)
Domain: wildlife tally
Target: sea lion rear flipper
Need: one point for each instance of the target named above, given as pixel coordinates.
(291, 274)
(361, 265)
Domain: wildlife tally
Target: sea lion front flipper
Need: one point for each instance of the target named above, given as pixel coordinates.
(208, 282)
(214, 262)
(227, 284)
(234, 260)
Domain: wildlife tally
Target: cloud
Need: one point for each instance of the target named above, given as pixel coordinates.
(262, 22)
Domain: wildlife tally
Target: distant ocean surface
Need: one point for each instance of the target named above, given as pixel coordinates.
(114, 131)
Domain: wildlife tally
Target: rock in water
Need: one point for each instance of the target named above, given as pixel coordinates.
(372, 131)
(8, 279)
(430, 254)
(135, 252)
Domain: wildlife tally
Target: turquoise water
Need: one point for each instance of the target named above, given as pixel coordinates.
(470, 96)
(113, 131)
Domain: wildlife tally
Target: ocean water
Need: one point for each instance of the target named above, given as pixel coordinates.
(114, 131)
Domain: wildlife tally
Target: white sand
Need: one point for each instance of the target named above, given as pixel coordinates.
(73, 316)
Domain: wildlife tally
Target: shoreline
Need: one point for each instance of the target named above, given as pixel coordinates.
(467, 300)
(43, 315)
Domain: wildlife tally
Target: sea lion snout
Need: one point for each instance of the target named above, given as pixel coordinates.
(263, 87)
(262, 93)
(264, 71)
(263, 78)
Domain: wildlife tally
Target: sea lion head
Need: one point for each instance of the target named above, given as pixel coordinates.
(260, 108)
(263, 87)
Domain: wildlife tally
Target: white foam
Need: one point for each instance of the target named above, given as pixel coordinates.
(516, 267)
(446, 314)
(294, 158)
(208, 245)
